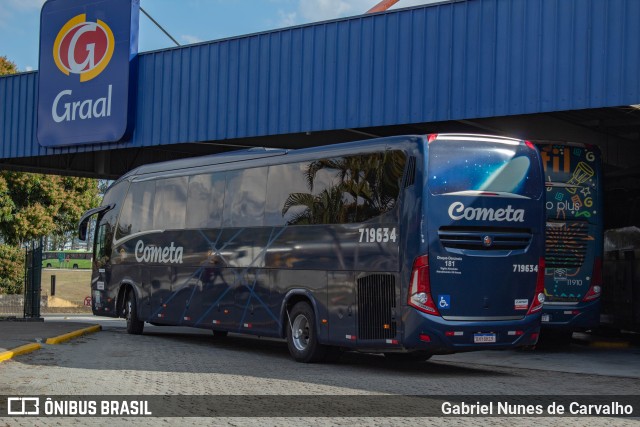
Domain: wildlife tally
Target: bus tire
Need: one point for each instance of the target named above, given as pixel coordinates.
(135, 326)
(302, 335)
(75, 266)
(48, 265)
(414, 356)
(220, 334)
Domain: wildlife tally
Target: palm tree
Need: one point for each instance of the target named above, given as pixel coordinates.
(367, 186)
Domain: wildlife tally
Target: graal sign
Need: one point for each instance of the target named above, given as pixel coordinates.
(88, 50)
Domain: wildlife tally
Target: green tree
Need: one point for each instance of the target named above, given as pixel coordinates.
(39, 205)
(11, 258)
(7, 67)
(33, 206)
(11, 270)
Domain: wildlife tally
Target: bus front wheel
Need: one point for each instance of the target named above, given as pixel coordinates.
(135, 326)
(302, 335)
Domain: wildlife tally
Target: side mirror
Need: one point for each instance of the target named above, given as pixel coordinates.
(84, 220)
(82, 230)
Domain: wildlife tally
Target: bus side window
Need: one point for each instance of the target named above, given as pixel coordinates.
(283, 182)
(101, 256)
(137, 211)
(205, 200)
(170, 205)
(335, 190)
(245, 197)
(379, 175)
(106, 224)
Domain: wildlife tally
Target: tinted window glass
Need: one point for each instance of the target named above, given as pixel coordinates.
(245, 198)
(107, 223)
(471, 165)
(284, 182)
(102, 256)
(137, 211)
(378, 179)
(170, 203)
(339, 190)
(206, 200)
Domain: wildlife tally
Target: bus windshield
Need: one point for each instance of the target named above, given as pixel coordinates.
(458, 166)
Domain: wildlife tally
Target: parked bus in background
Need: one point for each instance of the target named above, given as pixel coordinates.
(67, 259)
(407, 246)
(574, 242)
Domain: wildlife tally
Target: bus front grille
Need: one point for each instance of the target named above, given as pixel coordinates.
(376, 307)
(566, 244)
(484, 238)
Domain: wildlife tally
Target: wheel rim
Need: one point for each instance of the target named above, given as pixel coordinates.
(300, 333)
(129, 310)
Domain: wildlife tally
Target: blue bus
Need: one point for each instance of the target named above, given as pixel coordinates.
(407, 246)
(574, 238)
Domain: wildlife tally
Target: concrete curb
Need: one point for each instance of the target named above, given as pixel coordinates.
(601, 342)
(23, 349)
(610, 344)
(66, 337)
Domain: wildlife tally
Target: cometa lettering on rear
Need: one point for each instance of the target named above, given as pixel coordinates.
(457, 211)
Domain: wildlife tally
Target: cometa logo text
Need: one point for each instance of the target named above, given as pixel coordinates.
(165, 255)
(457, 211)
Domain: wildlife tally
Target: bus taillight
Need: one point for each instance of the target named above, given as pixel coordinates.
(596, 282)
(420, 290)
(538, 297)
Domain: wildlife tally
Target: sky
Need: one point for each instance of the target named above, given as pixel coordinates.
(188, 21)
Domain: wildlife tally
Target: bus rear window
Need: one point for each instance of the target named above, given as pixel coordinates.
(468, 165)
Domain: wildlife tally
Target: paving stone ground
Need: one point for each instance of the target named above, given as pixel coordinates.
(168, 361)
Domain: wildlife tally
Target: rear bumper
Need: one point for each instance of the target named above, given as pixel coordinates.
(572, 317)
(456, 336)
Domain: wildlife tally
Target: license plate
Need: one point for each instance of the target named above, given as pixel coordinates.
(546, 318)
(482, 338)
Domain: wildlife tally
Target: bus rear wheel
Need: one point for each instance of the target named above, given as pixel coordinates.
(135, 326)
(302, 335)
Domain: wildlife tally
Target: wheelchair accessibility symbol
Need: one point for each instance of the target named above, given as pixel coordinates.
(444, 302)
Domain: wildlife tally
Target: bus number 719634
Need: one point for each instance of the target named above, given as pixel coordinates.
(377, 235)
(525, 268)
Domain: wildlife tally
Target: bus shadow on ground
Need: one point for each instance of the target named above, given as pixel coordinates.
(185, 350)
(234, 353)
